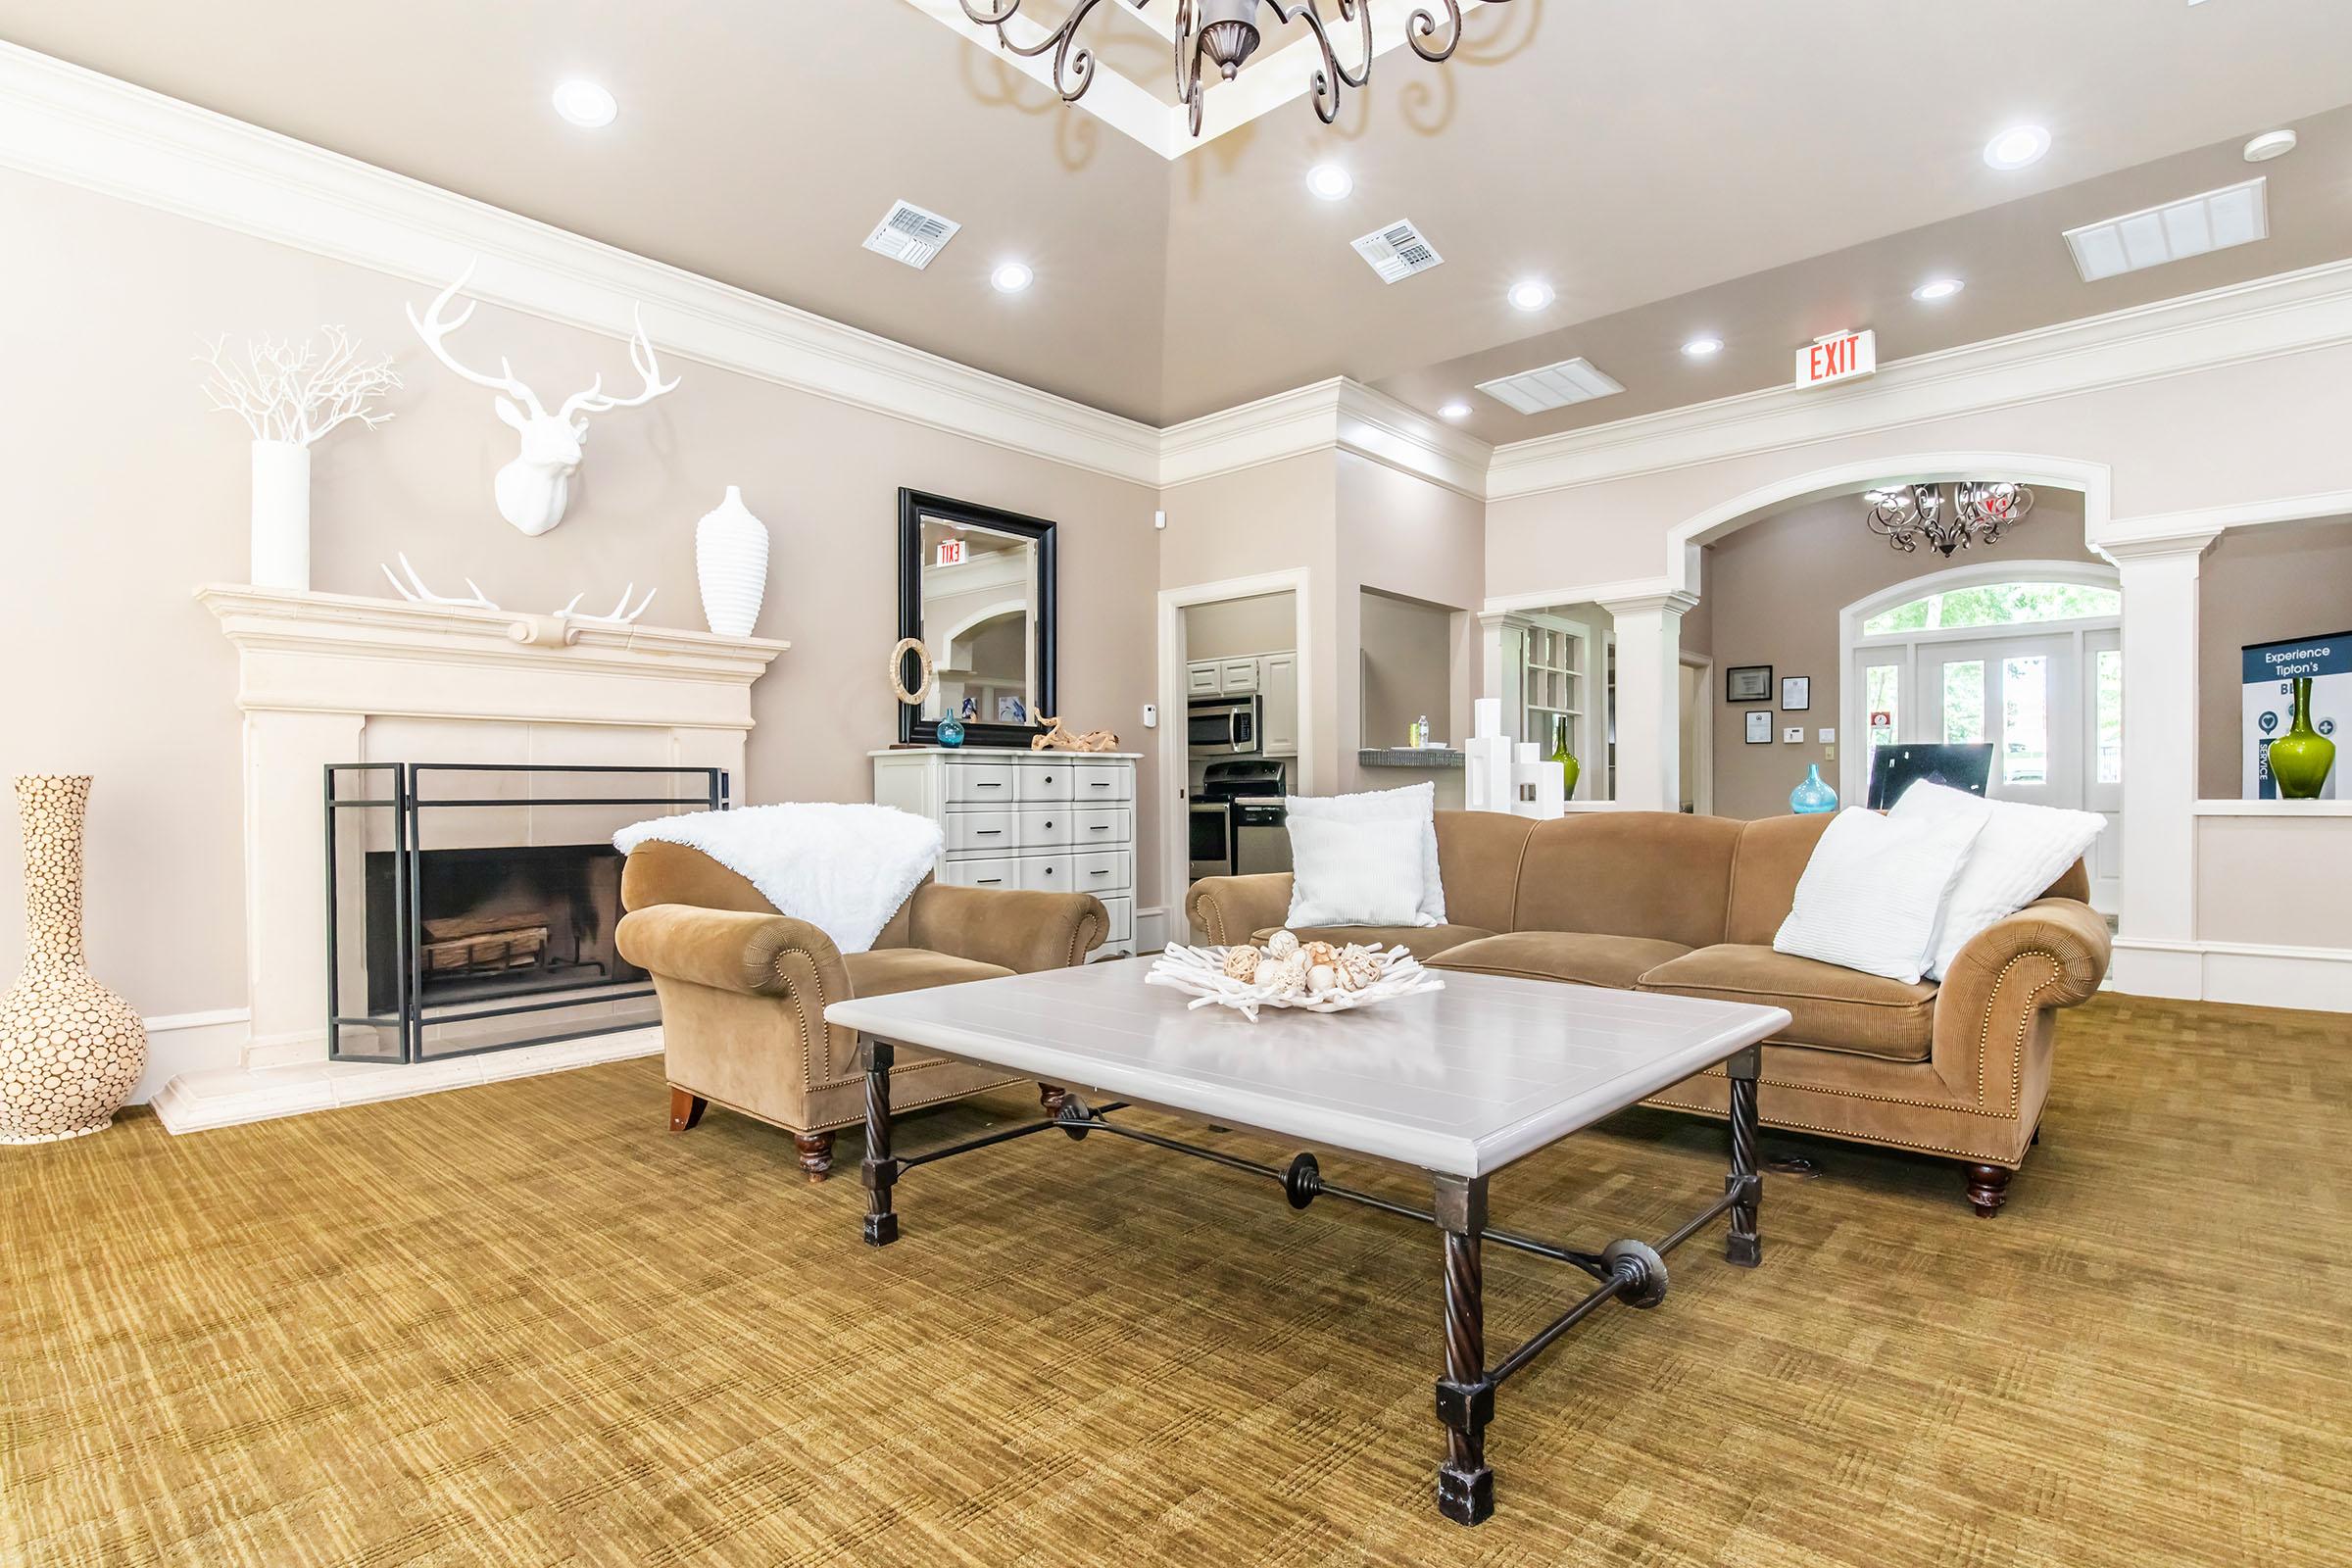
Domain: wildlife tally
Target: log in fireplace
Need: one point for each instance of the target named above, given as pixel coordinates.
(499, 932)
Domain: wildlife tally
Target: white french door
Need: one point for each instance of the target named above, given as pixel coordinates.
(2049, 700)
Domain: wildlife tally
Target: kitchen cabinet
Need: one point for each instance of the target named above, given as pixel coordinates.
(1278, 710)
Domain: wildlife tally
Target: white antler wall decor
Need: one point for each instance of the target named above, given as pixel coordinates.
(533, 490)
(619, 616)
(421, 595)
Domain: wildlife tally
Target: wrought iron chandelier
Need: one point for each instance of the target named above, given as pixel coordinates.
(1223, 33)
(1948, 517)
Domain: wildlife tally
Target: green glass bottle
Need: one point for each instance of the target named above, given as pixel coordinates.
(1561, 754)
(2301, 758)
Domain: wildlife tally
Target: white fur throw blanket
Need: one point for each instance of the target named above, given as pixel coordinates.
(845, 869)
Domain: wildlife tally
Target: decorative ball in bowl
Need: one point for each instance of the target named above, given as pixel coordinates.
(1286, 972)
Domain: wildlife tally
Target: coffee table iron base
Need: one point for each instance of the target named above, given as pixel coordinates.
(1627, 1271)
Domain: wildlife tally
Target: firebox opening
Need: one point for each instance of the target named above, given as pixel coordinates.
(499, 923)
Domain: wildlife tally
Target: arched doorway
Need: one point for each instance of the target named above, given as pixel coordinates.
(2024, 654)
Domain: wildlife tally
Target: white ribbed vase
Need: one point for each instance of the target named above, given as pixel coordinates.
(730, 561)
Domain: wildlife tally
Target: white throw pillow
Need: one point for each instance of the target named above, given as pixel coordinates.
(1871, 894)
(1416, 802)
(2021, 849)
(1364, 872)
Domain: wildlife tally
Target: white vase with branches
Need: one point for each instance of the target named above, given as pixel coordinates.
(290, 395)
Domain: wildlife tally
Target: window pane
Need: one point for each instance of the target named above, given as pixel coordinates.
(2007, 604)
(1882, 689)
(2111, 716)
(2025, 720)
(1964, 703)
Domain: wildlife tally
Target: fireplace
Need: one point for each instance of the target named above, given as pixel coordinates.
(461, 925)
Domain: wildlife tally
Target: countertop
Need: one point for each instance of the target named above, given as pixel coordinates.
(1424, 757)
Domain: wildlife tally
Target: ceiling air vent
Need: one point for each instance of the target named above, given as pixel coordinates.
(2235, 215)
(907, 234)
(1555, 386)
(1397, 251)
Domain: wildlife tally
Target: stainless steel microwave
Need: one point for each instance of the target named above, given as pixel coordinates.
(1222, 726)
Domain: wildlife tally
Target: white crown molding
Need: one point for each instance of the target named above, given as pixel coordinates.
(74, 125)
(1338, 414)
(2289, 313)
(2146, 533)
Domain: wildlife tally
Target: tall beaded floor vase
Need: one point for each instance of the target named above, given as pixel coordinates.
(70, 1049)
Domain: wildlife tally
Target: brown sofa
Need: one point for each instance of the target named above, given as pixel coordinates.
(1656, 901)
(744, 989)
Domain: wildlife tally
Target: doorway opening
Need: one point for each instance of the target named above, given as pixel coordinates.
(2024, 654)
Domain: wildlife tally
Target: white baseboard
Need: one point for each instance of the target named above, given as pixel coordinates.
(227, 1096)
(2318, 979)
(1151, 930)
(191, 1041)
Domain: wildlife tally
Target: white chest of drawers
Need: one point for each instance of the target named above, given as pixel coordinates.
(1048, 821)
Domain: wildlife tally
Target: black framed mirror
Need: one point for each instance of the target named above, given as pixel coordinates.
(976, 588)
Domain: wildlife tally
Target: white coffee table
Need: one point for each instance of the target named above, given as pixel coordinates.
(1457, 1082)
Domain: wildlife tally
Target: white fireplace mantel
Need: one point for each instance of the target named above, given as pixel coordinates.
(335, 679)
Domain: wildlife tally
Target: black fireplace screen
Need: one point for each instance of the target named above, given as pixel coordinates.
(499, 932)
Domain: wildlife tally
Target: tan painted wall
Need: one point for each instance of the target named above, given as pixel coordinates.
(1274, 518)
(1228, 628)
(1399, 534)
(2261, 585)
(1406, 668)
(120, 492)
(2267, 880)
(1774, 590)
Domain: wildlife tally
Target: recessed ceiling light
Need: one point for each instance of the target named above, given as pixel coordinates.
(1455, 411)
(1939, 288)
(2269, 145)
(1700, 348)
(1531, 294)
(584, 103)
(2017, 147)
(1330, 181)
(1012, 277)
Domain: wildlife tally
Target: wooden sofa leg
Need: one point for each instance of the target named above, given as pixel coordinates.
(816, 1154)
(685, 1108)
(1988, 1188)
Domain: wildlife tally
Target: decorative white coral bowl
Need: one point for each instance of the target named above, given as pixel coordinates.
(1200, 973)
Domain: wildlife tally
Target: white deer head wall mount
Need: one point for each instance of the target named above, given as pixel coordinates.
(533, 490)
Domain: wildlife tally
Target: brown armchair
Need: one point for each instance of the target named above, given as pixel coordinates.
(744, 989)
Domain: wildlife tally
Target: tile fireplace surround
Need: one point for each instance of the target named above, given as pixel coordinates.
(333, 678)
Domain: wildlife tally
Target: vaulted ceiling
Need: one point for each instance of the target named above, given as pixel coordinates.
(1756, 172)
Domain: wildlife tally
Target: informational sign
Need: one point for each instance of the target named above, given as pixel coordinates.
(950, 553)
(1840, 357)
(1880, 718)
(2270, 671)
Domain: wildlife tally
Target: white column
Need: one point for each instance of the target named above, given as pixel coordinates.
(2155, 952)
(1649, 658)
(1501, 651)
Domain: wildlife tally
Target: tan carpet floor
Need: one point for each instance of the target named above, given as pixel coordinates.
(522, 1323)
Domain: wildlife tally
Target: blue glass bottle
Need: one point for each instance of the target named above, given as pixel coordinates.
(951, 730)
(1814, 794)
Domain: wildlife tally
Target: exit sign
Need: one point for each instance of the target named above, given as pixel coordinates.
(1840, 357)
(950, 553)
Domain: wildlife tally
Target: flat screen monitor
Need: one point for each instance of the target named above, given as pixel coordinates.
(1895, 769)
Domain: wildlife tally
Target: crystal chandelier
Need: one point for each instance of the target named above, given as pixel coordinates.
(1223, 33)
(1948, 517)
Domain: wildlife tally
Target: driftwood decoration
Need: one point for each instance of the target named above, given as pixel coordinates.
(1057, 739)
